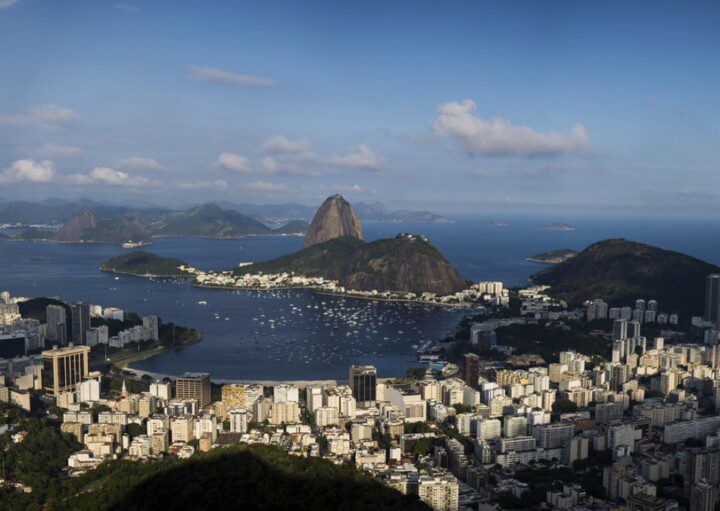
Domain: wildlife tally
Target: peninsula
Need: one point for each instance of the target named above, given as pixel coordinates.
(553, 256)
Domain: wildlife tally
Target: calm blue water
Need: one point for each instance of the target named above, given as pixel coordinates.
(313, 336)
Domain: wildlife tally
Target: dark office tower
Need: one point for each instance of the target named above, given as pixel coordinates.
(472, 370)
(363, 382)
(712, 298)
(620, 329)
(56, 324)
(80, 313)
(640, 305)
(194, 386)
(652, 305)
(633, 329)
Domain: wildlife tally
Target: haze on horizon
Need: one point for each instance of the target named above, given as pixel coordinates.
(475, 107)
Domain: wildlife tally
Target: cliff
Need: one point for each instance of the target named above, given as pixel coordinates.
(334, 219)
(86, 228)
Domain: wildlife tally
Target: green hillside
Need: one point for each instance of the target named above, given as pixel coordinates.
(621, 271)
(143, 263)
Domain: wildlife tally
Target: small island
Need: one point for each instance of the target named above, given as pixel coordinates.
(553, 256)
(145, 264)
(557, 227)
(494, 223)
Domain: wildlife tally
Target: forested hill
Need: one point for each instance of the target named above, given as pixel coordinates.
(256, 477)
(620, 271)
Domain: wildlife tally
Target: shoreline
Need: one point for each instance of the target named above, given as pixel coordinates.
(125, 358)
(315, 289)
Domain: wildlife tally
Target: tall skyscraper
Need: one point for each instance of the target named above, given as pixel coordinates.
(620, 329)
(363, 382)
(64, 368)
(712, 298)
(56, 324)
(80, 313)
(152, 326)
(472, 370)
(194, 386)
(633, 329)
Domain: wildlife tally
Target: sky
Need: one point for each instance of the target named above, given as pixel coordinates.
(455, 107)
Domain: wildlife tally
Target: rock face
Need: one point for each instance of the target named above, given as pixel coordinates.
(335, 219)
(86, 228)
(75, 228)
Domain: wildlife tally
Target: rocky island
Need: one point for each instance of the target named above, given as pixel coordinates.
(557, 227)
(553, 256)
(145, 264)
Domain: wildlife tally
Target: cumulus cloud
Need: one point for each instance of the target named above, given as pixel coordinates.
(140, 163)
(127, 7)
(362, 157)
(209, 74)
(111, 177)
(263, 186)
(7, 3)
(234, 162)
(60, 151)
(346, 188)
(282, 145)
(28, 170)
(498, 136)
(53, 114)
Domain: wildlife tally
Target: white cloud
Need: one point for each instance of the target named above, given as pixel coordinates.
(140, 163)
(52, 114)
(362, 157)
(263, 186)
(110, 177)
(51, 150)
(28, 170)
(127, 7)
(346, 188)
(286, 165)
(217, 184)
(282, 145)
(234, 162)
(7, 3)
(209, 74)
(499, 137)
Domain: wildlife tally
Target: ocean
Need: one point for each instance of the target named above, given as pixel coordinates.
(301, 335)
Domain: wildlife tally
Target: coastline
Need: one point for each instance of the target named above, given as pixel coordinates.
(315, 289)
(123, 359)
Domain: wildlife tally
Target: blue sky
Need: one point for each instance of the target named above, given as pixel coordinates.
(476, 107)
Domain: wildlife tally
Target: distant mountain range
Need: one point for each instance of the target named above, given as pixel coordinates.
(59, 211)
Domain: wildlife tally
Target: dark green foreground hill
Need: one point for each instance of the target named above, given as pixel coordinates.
(143, 263)
(621, 271)
(256, 477)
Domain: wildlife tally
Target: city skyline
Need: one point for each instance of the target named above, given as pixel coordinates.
(475, 108)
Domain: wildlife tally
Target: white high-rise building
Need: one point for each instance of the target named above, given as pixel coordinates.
(238, 420)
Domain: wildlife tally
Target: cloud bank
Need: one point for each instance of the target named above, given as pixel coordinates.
(498, 136)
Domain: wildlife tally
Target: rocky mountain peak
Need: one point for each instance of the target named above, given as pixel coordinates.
(334, 219)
